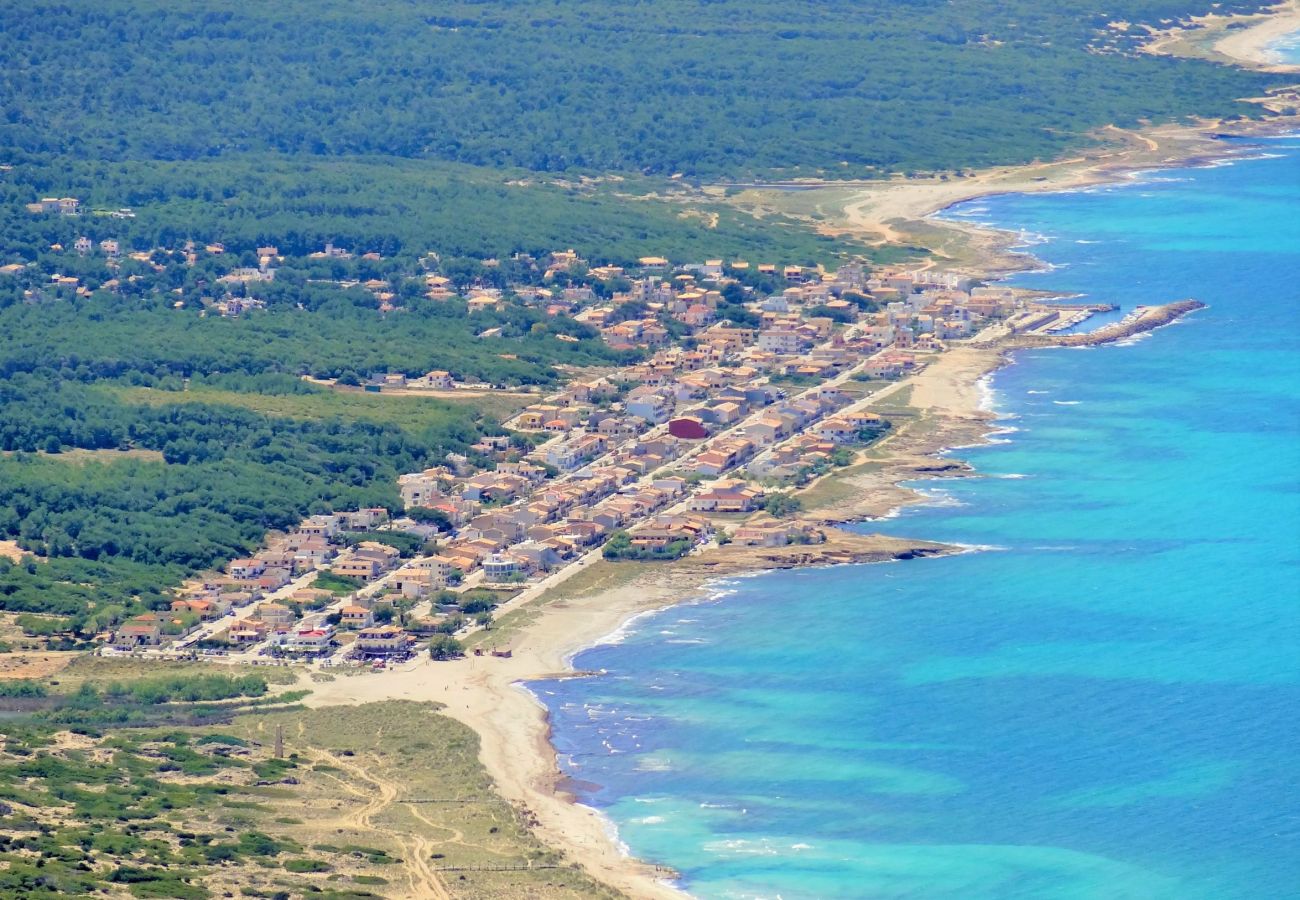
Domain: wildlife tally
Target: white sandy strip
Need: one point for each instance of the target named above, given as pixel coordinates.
(1255, 44)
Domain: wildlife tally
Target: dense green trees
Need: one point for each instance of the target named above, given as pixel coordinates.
(444, 646)
(673, 86)
(396, 207)
(151, 339)
(118, 530)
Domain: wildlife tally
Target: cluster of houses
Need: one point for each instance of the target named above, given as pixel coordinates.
(516, 522)
(263, 600)
(617, 451)
(658, 450)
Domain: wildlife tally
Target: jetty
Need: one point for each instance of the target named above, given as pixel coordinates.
(1140, 320)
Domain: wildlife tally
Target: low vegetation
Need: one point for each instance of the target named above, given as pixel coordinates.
(206, 810)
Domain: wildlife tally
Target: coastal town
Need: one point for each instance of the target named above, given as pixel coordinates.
(503, 450)
(737, 398)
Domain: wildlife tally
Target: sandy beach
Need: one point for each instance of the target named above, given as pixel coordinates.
(1253, 44)
(484, 692)
(1245, 41)
(899, 210)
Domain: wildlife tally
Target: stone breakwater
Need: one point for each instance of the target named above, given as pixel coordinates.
(1142, 319)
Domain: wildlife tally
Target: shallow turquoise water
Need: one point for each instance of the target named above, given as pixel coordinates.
(1103, 707)
(1287, 48)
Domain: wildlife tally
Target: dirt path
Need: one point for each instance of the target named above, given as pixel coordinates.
(457, 836)
(424, 882)
(1142, 139)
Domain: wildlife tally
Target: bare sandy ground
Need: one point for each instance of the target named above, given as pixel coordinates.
(951, 384)
(33, 664)
(1237, 40)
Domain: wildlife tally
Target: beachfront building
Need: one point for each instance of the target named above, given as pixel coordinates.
(382, 641)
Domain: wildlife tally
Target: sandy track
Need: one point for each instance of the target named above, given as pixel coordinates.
(422, 880)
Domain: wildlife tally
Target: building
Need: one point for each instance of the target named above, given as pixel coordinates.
(320, 526)
(138, 632)
(357, 566)
(64, 206)
(353, 616)
(245, 569)
(207, 610)
(652, 404)
(274, 614)
(382, 641)
(664, 530)
(249, 631)
(310, 641)
(727, 497)
(781, 341)
(690, 428)
(416, 582)
(501, 567)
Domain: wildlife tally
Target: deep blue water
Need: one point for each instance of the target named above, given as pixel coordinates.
(1105, 707)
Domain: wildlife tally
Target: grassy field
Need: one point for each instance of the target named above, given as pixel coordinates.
(408, 412)
(835, 487)
(897, 403)
(78, 456)
(83, 667)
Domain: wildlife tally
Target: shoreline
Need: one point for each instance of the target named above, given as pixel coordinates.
(1254, 44)
(1242, 40)
(492, 695)
(901, 211)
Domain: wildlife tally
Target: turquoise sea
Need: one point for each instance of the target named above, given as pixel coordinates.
(1287, 48)
(1102, 703)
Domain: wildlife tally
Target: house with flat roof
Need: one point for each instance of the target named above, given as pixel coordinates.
(309, 641)
(378, 641)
